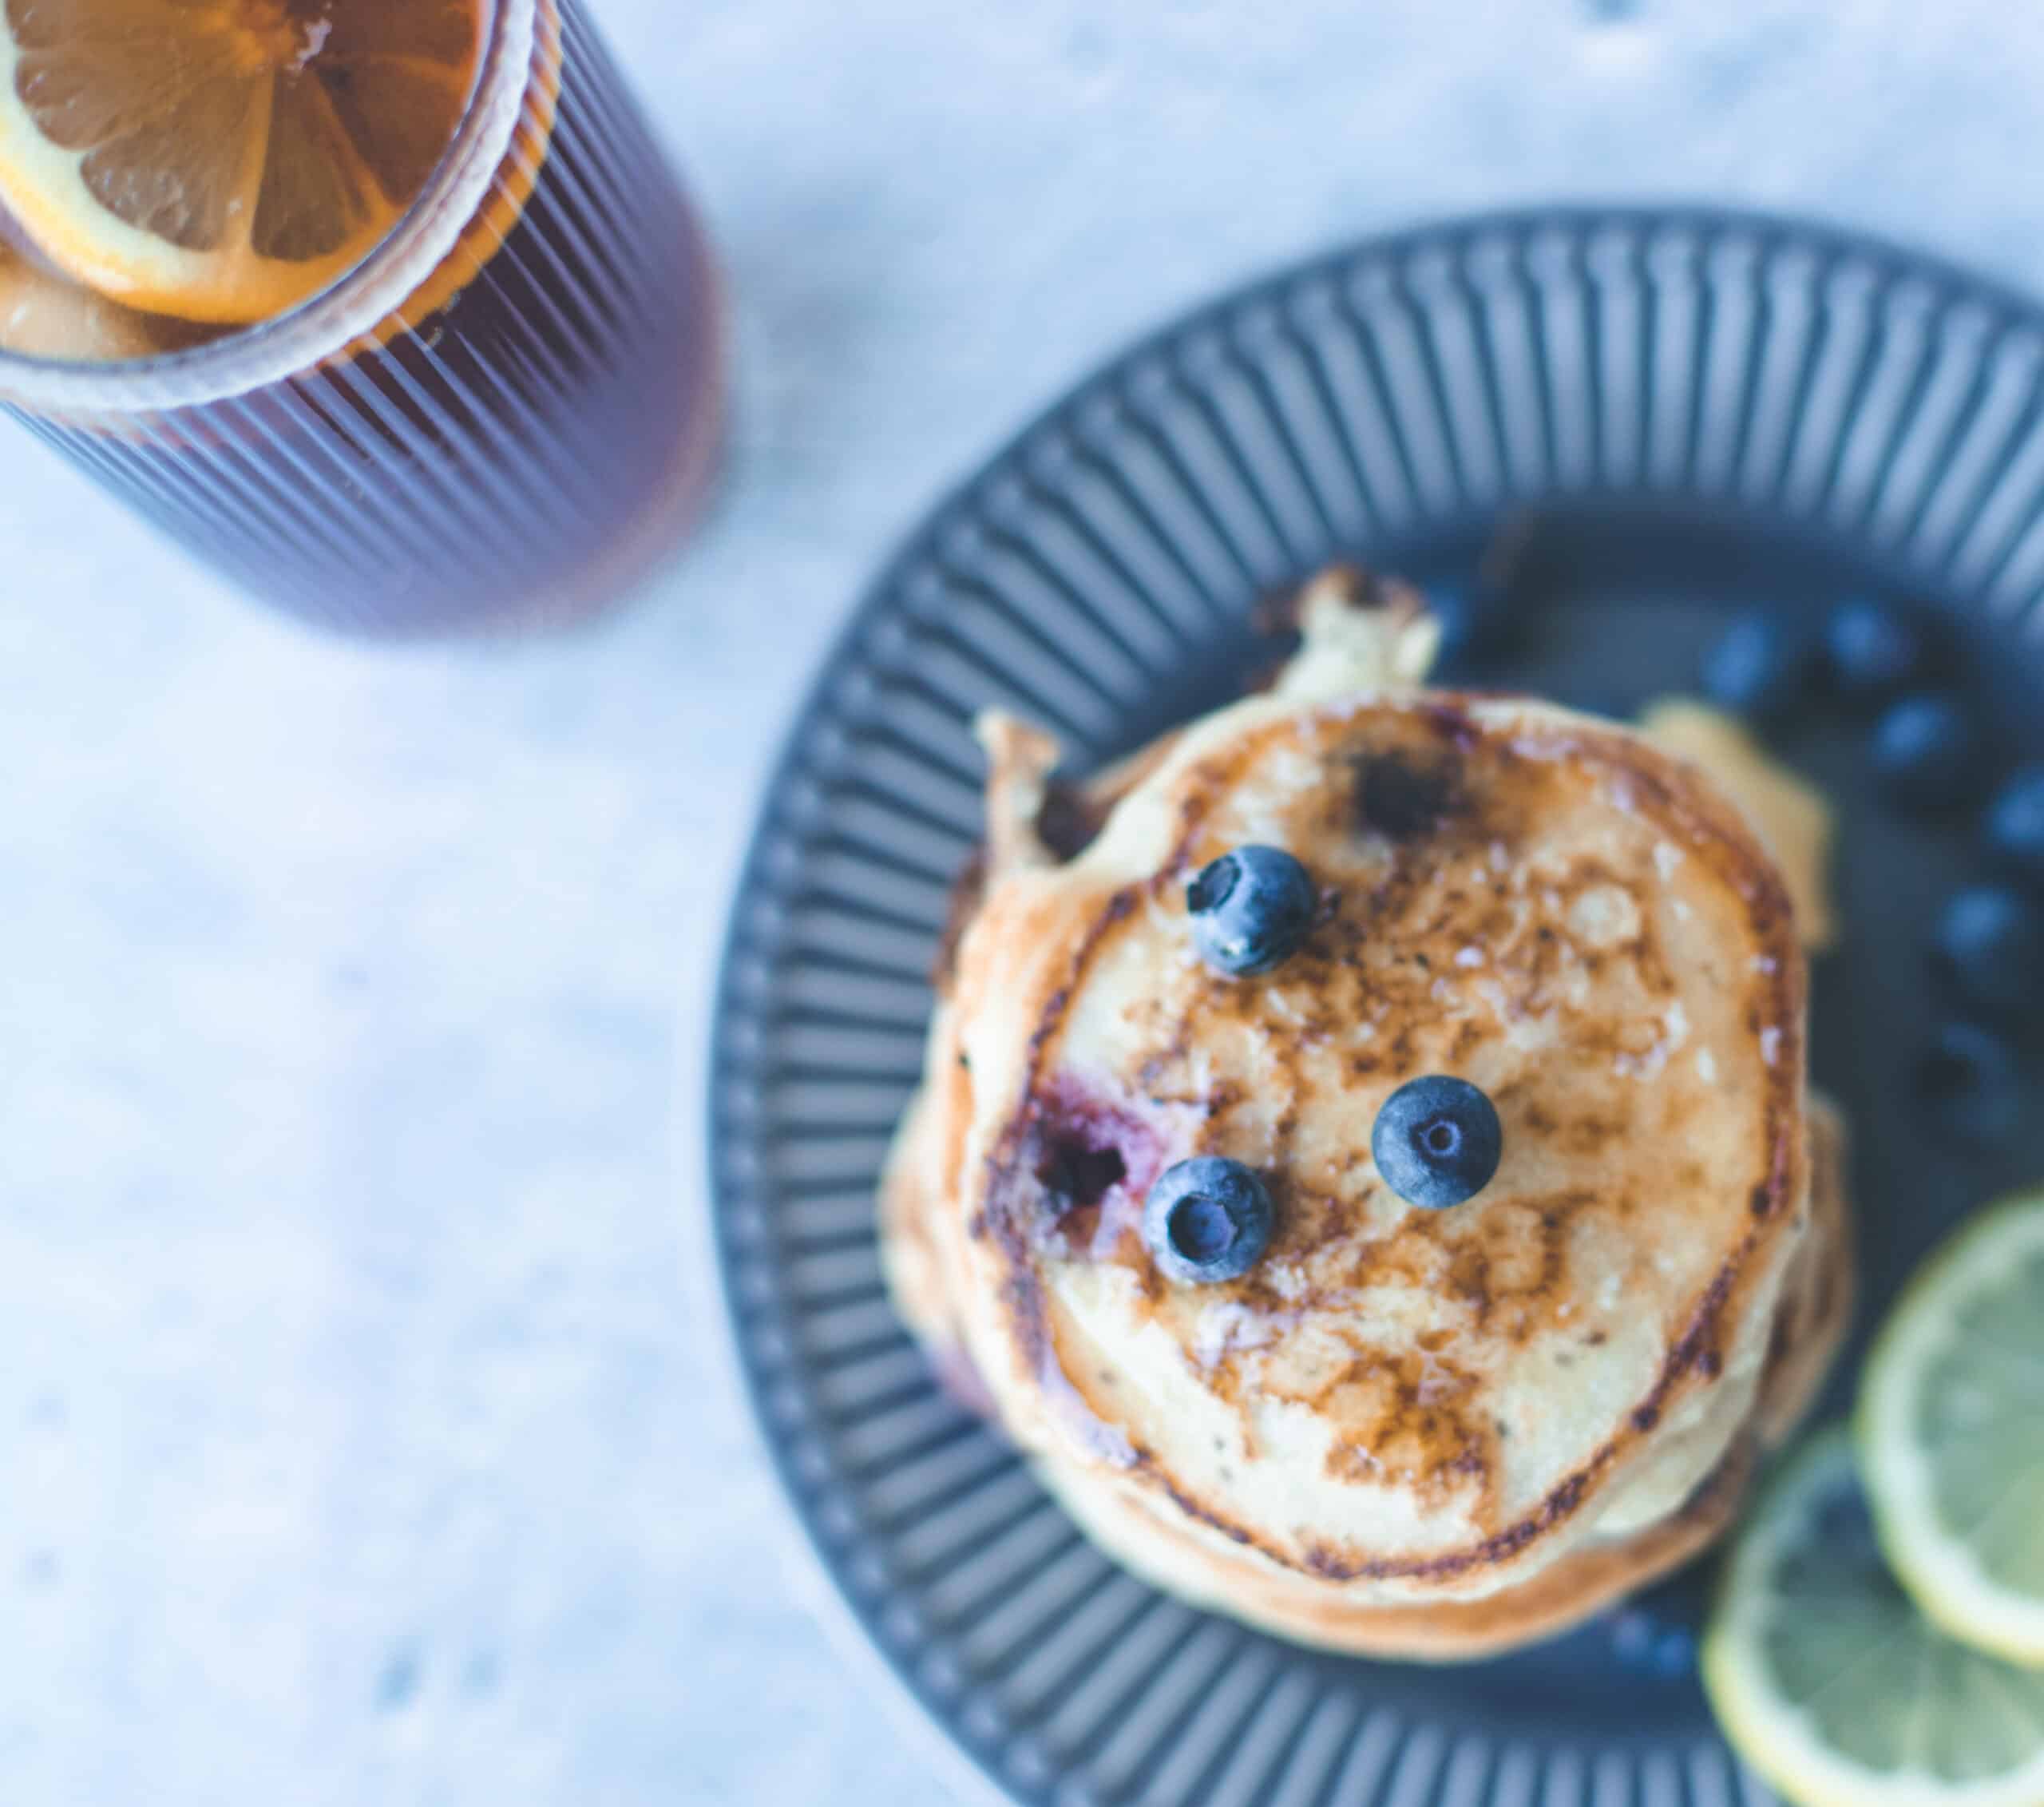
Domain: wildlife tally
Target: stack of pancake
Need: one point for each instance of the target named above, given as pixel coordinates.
(1429, 1433)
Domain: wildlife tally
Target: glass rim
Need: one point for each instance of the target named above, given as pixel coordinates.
(252, 357)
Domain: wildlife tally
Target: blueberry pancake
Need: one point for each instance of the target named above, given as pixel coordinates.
(1365, 1158)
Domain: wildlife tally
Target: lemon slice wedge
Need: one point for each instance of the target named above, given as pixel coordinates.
(1828, 1681)
(1951, 1435)
(221, 160)
(44, 316)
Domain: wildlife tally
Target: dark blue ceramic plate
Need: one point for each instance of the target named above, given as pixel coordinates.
(1695, 413)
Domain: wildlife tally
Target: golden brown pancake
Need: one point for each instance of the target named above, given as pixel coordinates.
(1807, 1331)
(1438, 1433)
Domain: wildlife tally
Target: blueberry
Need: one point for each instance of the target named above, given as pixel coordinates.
(1250, 910)
(1989, 949)
(1927, 753)
(1971, 1086)
(1675, 1654)
(1633, 1634)
(1641, 1642)
(1437, 1141)
(1207, 1219)
(1875, 653)
(1757, 668)
(2015, 825)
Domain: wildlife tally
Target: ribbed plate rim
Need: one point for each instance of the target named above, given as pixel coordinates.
(1770, 232)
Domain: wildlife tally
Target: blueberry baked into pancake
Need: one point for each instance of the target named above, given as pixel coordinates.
(1364, 1158)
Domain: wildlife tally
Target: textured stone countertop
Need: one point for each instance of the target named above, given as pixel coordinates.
(365, 1433)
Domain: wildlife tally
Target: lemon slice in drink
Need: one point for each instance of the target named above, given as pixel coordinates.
(44, 316)
(1951, 1435)
(222, 159)
(1830, 1682)
(516, 176)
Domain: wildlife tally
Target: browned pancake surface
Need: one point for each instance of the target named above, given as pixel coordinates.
(1543, 906)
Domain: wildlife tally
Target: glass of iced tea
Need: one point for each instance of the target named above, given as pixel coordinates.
(392, 310)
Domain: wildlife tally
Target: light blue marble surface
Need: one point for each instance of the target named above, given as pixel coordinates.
(364, 1437)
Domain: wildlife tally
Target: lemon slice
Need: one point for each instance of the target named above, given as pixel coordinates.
(44, 316)
(222, 159)
(1951, 1435)
(1831, 1684)
(516, 176)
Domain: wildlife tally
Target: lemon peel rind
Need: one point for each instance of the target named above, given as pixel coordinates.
(1944, 1578)
(1774, 1739)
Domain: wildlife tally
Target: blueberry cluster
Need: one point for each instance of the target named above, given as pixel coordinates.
(1926, 751)
(1209, 1218)
(1436, 1142)
(1648, 1646)
(1930, 757)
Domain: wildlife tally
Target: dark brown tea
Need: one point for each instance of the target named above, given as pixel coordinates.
(448, 358)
